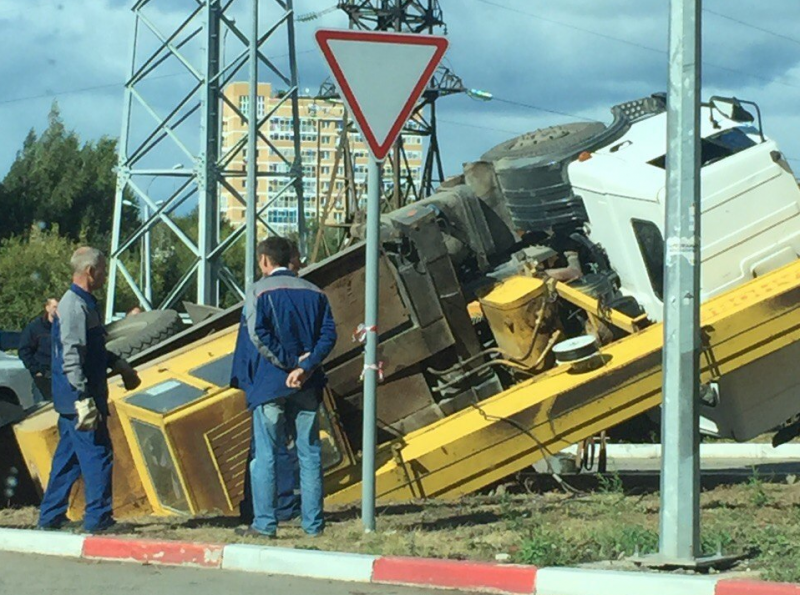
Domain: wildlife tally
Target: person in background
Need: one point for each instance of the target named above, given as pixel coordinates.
(245, 362)
(133, 311)
(35, 348)
(80, 397)
(289, 320)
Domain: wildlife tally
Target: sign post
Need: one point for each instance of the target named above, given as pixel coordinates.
(380, 77)
(371, 365)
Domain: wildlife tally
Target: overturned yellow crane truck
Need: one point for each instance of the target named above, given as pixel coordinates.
(520, 313)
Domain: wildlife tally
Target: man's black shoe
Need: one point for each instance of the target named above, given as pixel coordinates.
(62, 526)
(112, 528)
(250, 532)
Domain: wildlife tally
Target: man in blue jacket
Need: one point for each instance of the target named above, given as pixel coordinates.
(80, 396)
(35, 348)
(290, 322)
(246, 360)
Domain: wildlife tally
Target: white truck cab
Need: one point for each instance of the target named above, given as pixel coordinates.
(750, 203)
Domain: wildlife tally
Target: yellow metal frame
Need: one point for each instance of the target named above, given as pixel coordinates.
(177, 366)
(592, 306)
(512, 430)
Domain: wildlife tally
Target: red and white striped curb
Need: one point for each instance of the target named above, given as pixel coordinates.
(447, 574)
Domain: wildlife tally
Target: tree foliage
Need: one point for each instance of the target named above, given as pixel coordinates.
(58, 181)
(31, 270)
(59, 193)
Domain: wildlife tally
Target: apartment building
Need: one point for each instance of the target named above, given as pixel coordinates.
(320, 129)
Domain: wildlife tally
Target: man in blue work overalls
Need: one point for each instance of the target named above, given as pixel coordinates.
(80, 396)
(246, 360)
(289, 321)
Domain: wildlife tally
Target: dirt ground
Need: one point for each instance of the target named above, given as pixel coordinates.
(761, 520)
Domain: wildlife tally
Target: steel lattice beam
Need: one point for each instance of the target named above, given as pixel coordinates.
(178, 74)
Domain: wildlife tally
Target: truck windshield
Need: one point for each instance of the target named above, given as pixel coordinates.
(717, 147)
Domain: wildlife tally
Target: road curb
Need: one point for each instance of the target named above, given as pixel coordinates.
(48, 543)
(304, 563)
(452, 574)
(152, 552)
(737, 587)
(576, 581)
(420, 572)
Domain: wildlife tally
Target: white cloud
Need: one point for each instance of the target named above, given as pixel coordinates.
(546, 58)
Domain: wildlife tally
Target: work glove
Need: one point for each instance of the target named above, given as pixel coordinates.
(130, 378)
(88, 415)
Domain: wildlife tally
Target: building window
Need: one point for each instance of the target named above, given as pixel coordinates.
(244, 106)
(651, 245)
(261, 107)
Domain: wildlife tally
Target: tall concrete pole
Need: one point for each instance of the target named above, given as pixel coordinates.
(680, 467)
(252, 154)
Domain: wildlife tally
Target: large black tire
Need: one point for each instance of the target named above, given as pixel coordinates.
(134, 334)
(554, 139)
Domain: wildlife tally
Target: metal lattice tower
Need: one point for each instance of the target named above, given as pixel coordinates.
(170, 163)
(412, 16)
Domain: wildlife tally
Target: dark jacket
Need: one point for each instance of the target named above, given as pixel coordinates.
(35, 345)
(80, 359)
(286, 318)
(245, 360)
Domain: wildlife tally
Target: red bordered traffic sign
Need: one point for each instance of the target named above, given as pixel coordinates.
(380, 77)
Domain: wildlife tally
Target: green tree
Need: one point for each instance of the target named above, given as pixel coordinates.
(31, 270)
(56, 180)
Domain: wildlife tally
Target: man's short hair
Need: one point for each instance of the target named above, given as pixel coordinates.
(278, 250)
(86, 257)
(295, 249)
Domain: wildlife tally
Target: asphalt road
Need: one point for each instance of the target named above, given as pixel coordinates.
(22, 574)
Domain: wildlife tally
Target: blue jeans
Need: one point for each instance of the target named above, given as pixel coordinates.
(86, 453)
(288, 480)
(269, 437)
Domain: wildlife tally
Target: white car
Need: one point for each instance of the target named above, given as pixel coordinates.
(16, 384)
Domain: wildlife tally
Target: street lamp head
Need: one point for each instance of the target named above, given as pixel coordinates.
(479, 95)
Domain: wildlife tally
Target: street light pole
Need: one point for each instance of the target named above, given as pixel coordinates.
(680, 465)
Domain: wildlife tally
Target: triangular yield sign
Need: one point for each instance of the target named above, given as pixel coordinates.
(380, 77)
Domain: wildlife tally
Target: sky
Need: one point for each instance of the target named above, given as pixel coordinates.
(545, 62)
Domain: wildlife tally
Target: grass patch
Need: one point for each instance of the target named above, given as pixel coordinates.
(549, 529)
